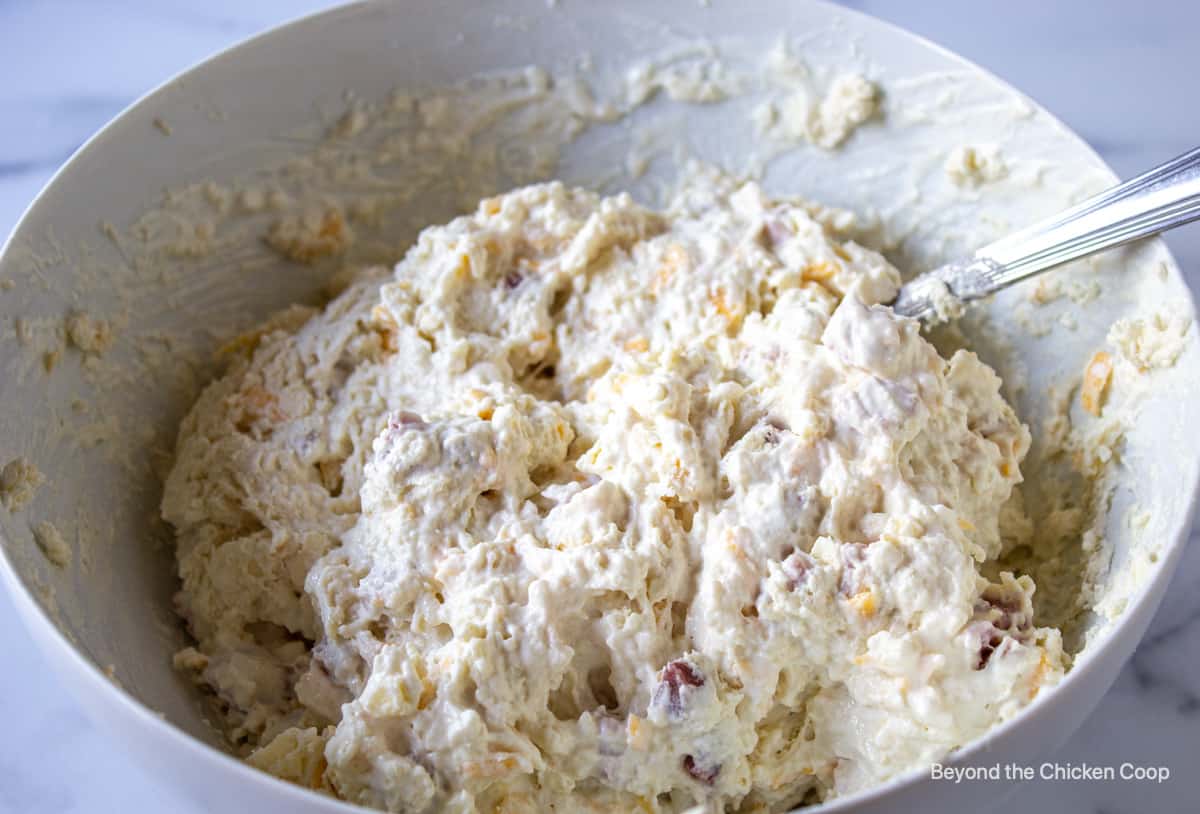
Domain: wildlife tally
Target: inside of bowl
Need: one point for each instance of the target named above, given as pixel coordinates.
(162, 229)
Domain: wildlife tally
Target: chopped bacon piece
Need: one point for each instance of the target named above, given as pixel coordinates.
(705, 774)
(675, 676)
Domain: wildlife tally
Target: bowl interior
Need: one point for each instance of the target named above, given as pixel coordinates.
(403, 119)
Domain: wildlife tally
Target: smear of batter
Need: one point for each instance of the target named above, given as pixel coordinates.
(19, 481)
(50, 540)
(89, 334)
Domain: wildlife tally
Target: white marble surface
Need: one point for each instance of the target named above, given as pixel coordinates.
(1122, 74)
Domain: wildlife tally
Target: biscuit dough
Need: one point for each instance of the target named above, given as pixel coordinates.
(586, 507)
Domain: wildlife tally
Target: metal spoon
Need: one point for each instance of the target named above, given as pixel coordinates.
(1160, 199)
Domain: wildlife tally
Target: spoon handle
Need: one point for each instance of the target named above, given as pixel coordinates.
(1155, 201)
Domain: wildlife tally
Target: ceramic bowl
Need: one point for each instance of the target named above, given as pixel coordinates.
(157, 225)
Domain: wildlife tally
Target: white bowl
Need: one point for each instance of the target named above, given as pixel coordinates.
(109, 612)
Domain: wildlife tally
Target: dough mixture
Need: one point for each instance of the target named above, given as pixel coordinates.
(586, 507)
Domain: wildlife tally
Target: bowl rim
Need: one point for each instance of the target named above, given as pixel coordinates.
(1144, 600)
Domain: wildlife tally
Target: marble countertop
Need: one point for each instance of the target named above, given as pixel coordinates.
(1119, 73)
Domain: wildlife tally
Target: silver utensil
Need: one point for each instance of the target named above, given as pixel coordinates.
(1160, 199)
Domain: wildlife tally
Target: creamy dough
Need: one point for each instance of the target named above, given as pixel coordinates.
(586, 507)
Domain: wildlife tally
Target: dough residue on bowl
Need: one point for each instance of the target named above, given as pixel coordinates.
(50, 540)
(88, 333)
(975, 165)
(19, 481)
(586, 506)
(823, 117)
(1153, 341)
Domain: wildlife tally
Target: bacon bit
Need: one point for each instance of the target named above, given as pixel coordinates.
(1007, 612)
(796, 567)
(1096, 377)
(513, 279)
(1001, 614)
(682, 673)
(1004, 609)
(988, 646)
(772, 430)
(853, 555)
(675, 675)
(404, 418)
(705, 775)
